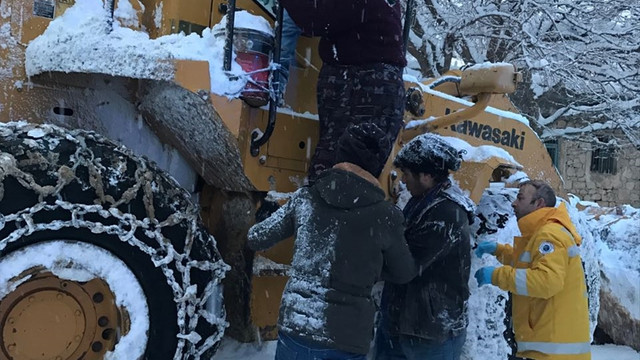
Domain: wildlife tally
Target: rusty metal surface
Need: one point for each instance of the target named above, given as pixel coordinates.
(51, 318)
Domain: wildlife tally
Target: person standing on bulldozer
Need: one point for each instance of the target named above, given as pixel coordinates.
(361, 48)
(427, 317)
(347, 236)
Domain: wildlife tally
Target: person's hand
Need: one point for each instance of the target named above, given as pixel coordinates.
(486, 247)
(265, 210)
(483, 275)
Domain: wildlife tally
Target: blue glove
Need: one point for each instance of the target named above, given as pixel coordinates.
(486, 247)
(483, 275)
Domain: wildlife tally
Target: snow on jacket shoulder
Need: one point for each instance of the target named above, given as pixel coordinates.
(433, 305)
(550, 310)
(346, 237)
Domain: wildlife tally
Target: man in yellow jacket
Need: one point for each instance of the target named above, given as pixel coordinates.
(543, 270)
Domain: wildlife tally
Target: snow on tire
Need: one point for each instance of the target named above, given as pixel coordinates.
(74, 206)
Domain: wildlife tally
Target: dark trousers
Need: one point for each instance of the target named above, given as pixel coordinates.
(353, 95)
(412, 348)
(291, 348)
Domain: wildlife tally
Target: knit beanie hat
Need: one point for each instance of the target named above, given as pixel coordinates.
(364, 145)
(429, 153)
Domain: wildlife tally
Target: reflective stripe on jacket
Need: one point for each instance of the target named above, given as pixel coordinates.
(544, 272)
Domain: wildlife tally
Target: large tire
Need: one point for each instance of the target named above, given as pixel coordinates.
(73, 187)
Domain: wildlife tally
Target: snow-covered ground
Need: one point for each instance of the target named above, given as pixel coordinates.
(233, 350)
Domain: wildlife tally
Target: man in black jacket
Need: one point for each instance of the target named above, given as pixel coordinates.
(427, 318)
(346, 238)
(361, 47)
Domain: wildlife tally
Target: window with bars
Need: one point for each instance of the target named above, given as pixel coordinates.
(604, 158)
(553, 150)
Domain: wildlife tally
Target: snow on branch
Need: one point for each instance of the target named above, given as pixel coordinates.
(579, 56)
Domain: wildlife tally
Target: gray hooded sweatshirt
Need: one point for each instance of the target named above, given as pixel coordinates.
(347, 237)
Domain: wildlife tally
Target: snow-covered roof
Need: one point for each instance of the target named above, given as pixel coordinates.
(608, 125)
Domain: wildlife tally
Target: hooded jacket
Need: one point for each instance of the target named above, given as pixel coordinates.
(346, 238)
(433, 305)
(543, 271)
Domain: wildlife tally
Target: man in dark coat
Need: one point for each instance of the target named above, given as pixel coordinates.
(427, 318)
(347, 237)
(361, 47)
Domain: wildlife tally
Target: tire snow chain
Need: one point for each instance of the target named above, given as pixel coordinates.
(147, 178)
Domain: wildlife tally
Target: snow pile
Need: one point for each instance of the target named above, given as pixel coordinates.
(479, 153)
(609, 352)
(81, 40)
(487, 304)
(619, 251)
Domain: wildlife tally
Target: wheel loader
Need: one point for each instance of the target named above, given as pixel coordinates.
(118, 170)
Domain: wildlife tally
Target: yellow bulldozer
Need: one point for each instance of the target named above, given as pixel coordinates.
(120, 165)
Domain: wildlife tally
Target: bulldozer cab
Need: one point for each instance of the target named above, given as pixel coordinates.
(126, 91)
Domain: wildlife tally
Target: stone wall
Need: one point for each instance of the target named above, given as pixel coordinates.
(623, 187)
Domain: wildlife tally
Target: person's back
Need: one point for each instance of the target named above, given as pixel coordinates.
(347, 237)
(337, 259)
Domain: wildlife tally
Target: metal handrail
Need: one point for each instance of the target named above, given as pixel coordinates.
(258, 139)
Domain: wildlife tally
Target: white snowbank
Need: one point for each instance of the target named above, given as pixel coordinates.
(610, 352)
(479, 153)
(619, 251)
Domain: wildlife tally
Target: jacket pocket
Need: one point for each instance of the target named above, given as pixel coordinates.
(521, 315)
(541, 318)
(417, 313)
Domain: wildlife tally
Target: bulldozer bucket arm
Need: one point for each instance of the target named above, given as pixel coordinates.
(188, 122)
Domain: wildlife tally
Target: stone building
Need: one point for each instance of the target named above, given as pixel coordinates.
(598, 163)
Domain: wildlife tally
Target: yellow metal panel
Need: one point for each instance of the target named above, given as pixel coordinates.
(25, 26)
(282, 252)
(150, 16)
(286, 164)
(192, 75)
(266, 294)
(30, 18)
(282, 162)
(266, 178)
(193, 11)
(231, 112)
(474, 177)
(293, 137)
(300, 93)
